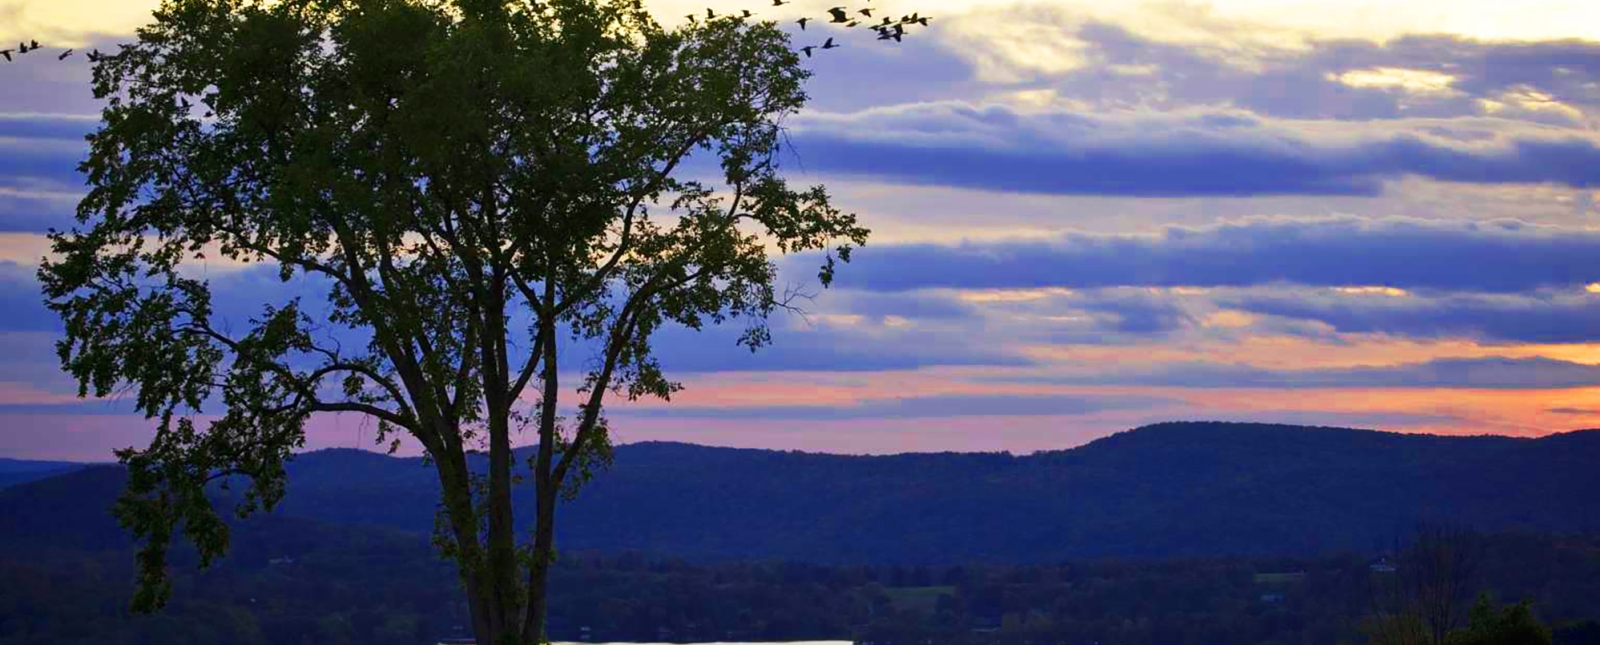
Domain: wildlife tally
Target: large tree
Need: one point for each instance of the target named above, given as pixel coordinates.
(491, 194)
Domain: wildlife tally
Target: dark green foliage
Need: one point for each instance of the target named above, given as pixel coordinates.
(1509, 625)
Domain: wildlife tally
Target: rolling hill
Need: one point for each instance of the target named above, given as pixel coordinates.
(1167, 490)
(18, 471)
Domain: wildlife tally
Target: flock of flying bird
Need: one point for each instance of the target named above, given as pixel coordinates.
(33, 45)
(887, 29)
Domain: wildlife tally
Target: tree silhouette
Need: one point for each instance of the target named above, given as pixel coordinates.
(492, 192)
(1424, 591)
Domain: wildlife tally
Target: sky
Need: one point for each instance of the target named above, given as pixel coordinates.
(1086, 217)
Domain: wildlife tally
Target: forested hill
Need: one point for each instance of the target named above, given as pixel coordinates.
(1179, 489)
(17, 471)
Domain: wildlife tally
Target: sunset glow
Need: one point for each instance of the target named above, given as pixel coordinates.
(1087, 217)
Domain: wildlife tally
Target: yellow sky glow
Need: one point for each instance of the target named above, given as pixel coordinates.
(69, 21)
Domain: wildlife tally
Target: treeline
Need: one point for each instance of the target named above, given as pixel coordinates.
(295, 582)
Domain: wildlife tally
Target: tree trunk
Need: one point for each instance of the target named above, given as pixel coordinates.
(456, 495)
(533, 624)
(501, 568)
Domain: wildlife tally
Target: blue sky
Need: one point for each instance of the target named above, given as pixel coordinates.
(1087, 217)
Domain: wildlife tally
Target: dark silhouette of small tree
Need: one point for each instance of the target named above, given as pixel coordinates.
(466, 178)
(1425, 592)
(1509, 625)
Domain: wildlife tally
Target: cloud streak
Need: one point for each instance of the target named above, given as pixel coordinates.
(912, 407)
(1496, 257)
(1208, 153)
(1492, 373)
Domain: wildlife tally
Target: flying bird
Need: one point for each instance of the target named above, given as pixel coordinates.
(828, 44)
(803, 22)
(807, 49)
(747, 13)
(852, 23)
(839, 15)
(710, 14)
(22, 48)
(865, 12)
(778, 3)
(64, 55)
(95, 56)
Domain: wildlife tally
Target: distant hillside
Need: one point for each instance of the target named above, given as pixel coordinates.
(1178, 489)
(17, 471)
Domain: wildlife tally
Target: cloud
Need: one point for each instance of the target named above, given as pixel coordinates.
(1205, 153)
(847, 346)
(84, 408)
(1185, 56)
(39, 183)
(1497, 256)
(911, 407)
(1466, 373)
(1536, 318)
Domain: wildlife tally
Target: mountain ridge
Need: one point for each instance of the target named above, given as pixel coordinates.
(1168, 490)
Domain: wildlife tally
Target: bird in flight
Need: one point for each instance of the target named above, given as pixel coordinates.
(710, 14)
(778, 3)
(803, 22)
(64, 55)
(839, 15)
(829, 44)
(747, 13)
(865, 12)
(807, 49)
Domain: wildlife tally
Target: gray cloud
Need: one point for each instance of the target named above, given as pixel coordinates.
(1174, 154)
(832, 348)
(1474, 373)
(1302, 82)
(39, 183)
(1499, 256)
(1537, 318)
(911, 408)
